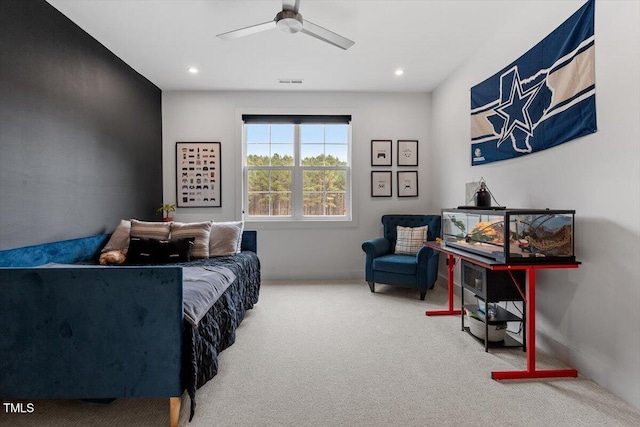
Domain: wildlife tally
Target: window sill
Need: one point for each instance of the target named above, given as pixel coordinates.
(288, 223)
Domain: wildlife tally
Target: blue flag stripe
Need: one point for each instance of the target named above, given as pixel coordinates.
(571, 100)
(563, 61)
(564, 40)
(580, 50)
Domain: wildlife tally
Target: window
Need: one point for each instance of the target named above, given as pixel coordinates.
(297, 167)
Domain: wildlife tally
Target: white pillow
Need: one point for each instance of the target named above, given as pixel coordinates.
(239, 244)
(226, 238)
(410, 239)
(119, 240)
(199, 230)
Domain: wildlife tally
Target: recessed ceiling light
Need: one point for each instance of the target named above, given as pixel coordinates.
(399, 72)
(288, 81)
(193, 70)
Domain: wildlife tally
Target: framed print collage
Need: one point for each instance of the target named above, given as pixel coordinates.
(406, 155)
(198, 174)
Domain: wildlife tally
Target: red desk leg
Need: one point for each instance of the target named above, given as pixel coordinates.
(531, 371)
(450, 311)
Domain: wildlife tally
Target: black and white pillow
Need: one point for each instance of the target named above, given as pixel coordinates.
(178, 250)
(142, 251)
(153, 251)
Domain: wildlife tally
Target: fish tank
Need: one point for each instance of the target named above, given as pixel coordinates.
(511, 235)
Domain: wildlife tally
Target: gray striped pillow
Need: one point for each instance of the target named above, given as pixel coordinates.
(150, 230)
(199, 230)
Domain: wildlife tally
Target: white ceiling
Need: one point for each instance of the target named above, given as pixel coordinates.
(162, 38)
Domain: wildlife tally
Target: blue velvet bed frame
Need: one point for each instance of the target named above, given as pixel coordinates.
(89, 332)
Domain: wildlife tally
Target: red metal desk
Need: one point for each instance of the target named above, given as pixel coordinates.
(530, 301)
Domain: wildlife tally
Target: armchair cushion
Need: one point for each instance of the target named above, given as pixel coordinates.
(401, 264)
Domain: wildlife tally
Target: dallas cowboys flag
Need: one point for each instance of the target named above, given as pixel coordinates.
(543, 99)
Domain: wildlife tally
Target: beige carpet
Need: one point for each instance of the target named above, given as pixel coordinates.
(334, 354)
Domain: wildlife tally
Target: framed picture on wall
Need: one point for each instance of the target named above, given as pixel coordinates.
(408, 184)
(407, 152)
(198, 174)
(381, 185)
(381, 152)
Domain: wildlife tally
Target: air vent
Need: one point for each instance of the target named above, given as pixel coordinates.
(290, 81)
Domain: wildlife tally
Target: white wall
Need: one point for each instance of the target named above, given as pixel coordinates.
(589, 317)
(306, 250)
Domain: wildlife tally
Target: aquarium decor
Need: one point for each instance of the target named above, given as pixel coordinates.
(511, 235)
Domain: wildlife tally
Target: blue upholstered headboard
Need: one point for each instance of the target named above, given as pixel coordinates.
(83, 249)
(62, 252)
(249, 241)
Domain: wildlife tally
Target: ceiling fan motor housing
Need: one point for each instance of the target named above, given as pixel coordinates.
(289, 21)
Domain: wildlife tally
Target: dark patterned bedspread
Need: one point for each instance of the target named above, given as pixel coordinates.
(217, 329)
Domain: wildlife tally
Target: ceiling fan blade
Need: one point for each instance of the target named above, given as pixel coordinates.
(325, 35)
(293, 5)
(247, 31)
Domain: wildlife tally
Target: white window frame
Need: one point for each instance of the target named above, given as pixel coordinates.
(297, 184)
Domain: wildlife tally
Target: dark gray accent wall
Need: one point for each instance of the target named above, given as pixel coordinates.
(80, 131)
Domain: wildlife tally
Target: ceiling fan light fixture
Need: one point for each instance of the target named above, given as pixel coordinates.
(289, 21)
(192, 70)
(399, 72)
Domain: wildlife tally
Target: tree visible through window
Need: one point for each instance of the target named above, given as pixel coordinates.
(297, 170)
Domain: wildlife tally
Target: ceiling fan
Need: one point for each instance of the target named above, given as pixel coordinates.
(290, 21)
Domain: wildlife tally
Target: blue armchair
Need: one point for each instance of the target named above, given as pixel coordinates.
(382, 265)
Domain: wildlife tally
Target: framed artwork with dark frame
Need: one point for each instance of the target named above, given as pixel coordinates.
(381, 152)
(198, 175)
(407, 152)
(381, 185)
(408, 184)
